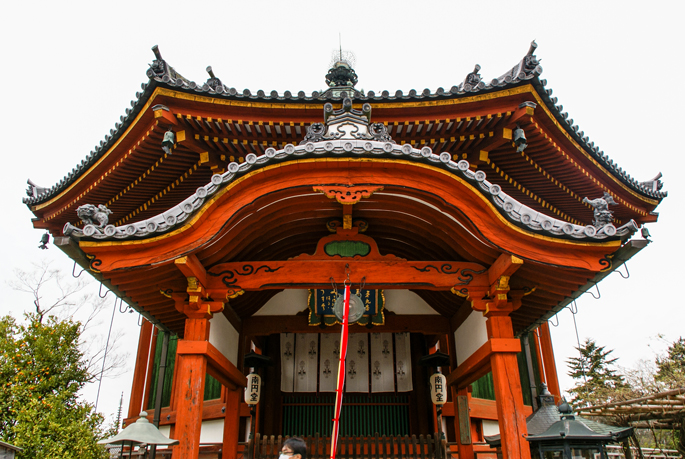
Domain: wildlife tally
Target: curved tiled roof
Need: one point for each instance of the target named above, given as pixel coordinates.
(515, 211)
(527, 70)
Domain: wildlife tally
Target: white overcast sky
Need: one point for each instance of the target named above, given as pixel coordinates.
(69, 70)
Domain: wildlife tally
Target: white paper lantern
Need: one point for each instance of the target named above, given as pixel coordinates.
(253, 389)
(438, 388)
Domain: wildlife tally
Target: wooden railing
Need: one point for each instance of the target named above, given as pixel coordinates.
(375, 447)
(361, 416)
(616, 452)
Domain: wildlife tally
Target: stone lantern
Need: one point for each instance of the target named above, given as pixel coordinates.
(555, 433)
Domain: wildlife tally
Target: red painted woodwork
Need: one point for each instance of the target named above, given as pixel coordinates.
(462, 196)
(190, 387)
(548, 359)
(317, 274)
(480, 408)
(505, 265)
(478, 364)
(190, 266)
(347, 194)
(465, 449)
(211, 409)
(150, 363)
(231, 424)
(268, 325)
(217, 365)
(544, 131)
(240, 220)
(138, 386)
(508, 394)
(538, 353)
(196, 330)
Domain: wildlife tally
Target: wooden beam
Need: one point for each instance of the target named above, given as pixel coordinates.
(217, 365)
(478, 364)
(232, 425)
(399, 273)
(165, 117)
(268, 325)
(550, 366)
(240, 195)
(190, 266)
(189, 385)
(505, 265)
(138, 387)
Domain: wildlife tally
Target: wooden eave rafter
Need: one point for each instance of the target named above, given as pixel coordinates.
(283, 223)
(551, 180)
(460, 126)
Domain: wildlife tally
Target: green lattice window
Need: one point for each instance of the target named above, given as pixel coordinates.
(485, 388)
(212, 386)
(362, 415)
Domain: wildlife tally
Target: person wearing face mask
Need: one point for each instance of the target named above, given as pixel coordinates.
(293, 448)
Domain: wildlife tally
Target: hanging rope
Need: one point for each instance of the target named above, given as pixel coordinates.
(341, 365)
(104, 357)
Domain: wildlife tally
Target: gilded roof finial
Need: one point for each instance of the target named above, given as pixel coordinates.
(341, 73)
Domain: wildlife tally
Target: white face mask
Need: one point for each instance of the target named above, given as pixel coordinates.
(283, 456)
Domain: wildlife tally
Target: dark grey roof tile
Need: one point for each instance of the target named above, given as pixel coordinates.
(527, 69)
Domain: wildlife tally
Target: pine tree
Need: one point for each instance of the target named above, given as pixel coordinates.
(597, 381)
(671, 367)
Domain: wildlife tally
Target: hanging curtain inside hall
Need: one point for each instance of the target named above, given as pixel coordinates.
(376, 362)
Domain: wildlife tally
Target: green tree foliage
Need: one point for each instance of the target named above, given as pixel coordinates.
(671, 367)
(597, 381)
(41, 372)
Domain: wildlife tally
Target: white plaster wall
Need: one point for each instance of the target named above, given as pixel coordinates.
(292, 301)
(490, 427)
(165, 430)
(470, 335)
(404, 302)
(212, 431)
(286, 303)
(224, 337)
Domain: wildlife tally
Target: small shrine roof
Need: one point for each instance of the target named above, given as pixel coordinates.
(526, 71)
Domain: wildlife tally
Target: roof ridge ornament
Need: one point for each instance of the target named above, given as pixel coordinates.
(347, 123)
(95, 220)
(33, 191)
(603, 216)
(654, 184)
(517, 212)
(341, 77)
(528, 68)
(213, 82)
(161, 69)
(473, 81)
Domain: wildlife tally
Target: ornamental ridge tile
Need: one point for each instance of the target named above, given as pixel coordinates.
(528, 70)
(352, 146)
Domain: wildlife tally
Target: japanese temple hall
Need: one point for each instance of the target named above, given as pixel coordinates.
(232, 221)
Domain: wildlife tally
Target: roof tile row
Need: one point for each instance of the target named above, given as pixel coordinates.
(528, 69)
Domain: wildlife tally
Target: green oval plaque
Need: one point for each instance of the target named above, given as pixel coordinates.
(347, 248)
